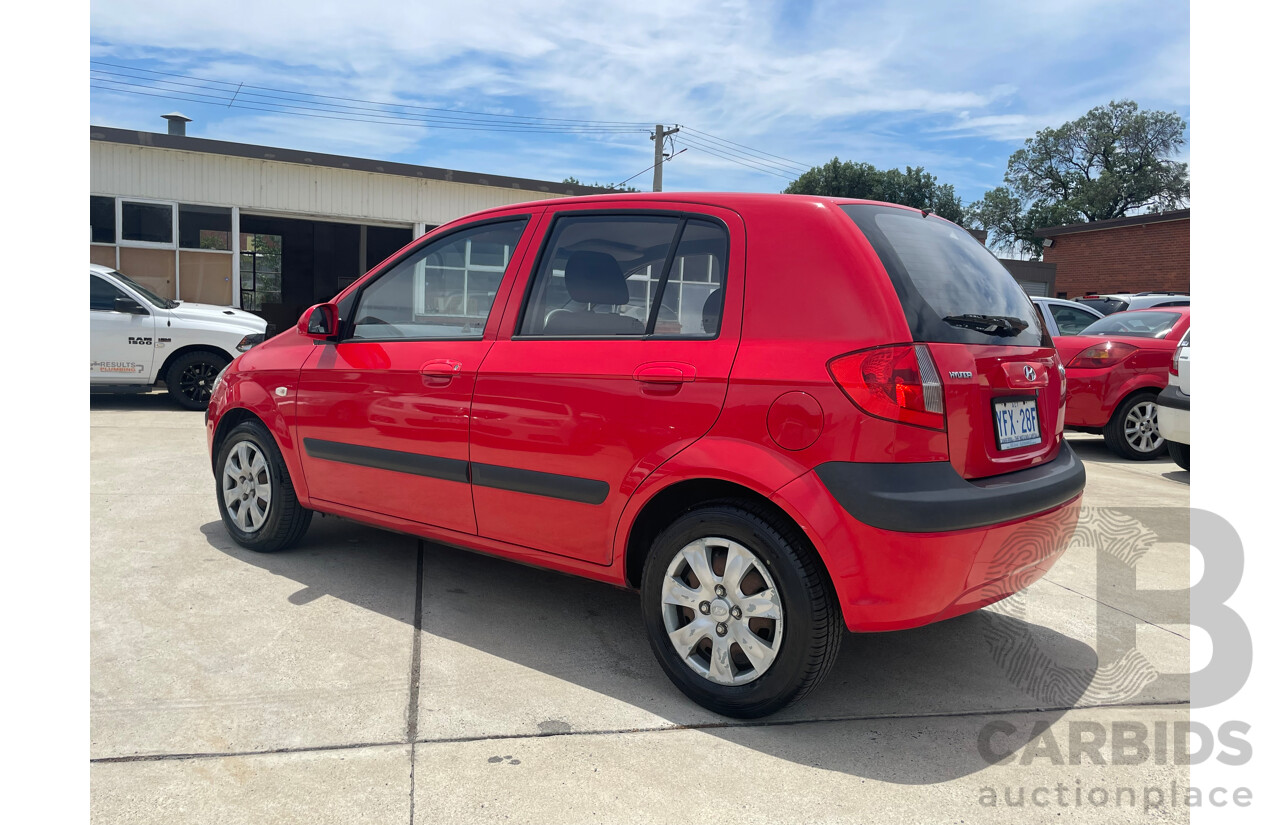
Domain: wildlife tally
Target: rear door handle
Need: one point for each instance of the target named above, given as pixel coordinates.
(665, 372)
(440, 372)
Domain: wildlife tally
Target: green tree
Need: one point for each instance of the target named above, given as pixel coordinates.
(1113, 161)
(613, 187)
(912, 187)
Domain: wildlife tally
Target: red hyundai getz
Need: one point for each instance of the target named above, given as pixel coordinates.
(772, 414)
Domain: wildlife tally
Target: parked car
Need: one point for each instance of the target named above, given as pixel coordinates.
(1063, 317)
(137, 338)
(1122, 301)
(850, 417)
(1115, 369)
(1174, 405)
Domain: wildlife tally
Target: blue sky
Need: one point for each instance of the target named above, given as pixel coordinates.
(953, 87)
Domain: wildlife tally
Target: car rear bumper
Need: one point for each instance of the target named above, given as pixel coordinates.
(913, 546)
(1174, 414)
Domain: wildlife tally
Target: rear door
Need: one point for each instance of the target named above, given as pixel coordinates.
(383, 414)
(1003, 391)
(618, 359)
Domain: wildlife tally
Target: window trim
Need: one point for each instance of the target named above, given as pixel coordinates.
(173, 224)
(684, 217)
(346, 326)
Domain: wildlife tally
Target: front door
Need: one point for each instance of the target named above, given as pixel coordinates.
(383, 414)
(121, 344)
(618, 361)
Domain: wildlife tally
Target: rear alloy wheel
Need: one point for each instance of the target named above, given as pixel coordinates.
(190, 378)
(255, 495)
(738, 609)
(1134, 431)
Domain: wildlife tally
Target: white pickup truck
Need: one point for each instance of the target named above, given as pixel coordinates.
(137, 338)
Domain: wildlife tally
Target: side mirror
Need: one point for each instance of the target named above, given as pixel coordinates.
(128, 306)
(320, 322)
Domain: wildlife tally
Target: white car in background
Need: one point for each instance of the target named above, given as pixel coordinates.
(137, 338)
(1173, 405)
(1064, 317)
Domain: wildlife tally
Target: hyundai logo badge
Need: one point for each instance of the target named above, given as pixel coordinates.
(1030, 372)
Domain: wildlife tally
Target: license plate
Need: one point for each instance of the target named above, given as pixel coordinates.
(1017, 423)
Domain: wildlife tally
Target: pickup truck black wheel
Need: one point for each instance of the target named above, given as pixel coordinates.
(190, 378)
(739, 610)
(255, 495)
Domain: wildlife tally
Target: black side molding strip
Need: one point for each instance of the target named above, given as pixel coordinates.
(551, 485)
(931, 497)
(449, 469)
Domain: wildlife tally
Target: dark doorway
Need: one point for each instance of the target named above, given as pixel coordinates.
(288, 264)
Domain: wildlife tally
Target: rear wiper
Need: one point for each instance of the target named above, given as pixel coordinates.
(990, 324)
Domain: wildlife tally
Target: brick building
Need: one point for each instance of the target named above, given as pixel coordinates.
(1143, 253)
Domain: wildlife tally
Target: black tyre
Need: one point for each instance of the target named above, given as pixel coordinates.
(1181, 454)
(255, 495)
(1133, 431)
(190, 377)
(758, 629)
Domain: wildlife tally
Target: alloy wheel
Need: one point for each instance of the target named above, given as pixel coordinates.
(1141, 428)
(246, 487)
(722, 611)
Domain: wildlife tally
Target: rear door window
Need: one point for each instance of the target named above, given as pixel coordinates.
(951, 288)
(629, 275)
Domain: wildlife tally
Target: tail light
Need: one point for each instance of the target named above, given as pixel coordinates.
(1106, 354)
(897, 382)
(1173, 368)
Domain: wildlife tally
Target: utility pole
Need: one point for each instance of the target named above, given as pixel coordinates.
(659, 137)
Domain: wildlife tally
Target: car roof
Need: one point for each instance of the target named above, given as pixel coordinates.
(100, 269)
(728, 200)
(1179, 310)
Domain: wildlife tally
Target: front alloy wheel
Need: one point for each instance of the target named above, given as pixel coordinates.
(246, 486)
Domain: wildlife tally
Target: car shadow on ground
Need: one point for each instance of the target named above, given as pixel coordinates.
(1095, 449)
(154, 400)
(924, 694)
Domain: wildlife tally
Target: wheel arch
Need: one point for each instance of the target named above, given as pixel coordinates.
(162, 373)
(669, 503)
(231, 419)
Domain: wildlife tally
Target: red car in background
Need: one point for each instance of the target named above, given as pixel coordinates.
(1116, 367)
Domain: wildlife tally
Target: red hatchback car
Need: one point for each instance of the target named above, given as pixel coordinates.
(1116, 367)
(774, 415)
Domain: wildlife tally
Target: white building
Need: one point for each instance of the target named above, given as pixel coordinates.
(270, 230)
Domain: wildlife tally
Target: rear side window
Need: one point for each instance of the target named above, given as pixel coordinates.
(629, 275)
(951, 288)
(1069, 319)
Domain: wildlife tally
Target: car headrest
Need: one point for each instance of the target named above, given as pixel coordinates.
(595, 278)
(711, 311)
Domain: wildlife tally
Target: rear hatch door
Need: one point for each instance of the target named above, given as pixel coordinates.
(1003, 388)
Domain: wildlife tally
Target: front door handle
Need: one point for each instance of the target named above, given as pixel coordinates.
(665, 372)
(440, 372)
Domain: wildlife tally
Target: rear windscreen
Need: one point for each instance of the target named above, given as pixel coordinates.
(951, 288)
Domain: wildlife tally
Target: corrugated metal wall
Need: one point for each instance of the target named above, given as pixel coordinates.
(295, 189)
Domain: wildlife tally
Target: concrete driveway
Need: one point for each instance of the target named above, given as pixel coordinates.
(371, 677)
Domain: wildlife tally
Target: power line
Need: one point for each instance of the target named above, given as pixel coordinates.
(731, 154)
(378, 103)
(805, 166)
(744, 163)
(338, 114)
